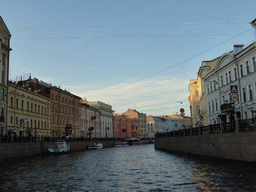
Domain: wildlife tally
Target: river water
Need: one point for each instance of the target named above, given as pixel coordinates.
(133, 168)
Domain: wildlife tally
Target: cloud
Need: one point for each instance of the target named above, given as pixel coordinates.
(150, 96)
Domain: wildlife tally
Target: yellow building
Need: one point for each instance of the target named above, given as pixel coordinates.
(198, 91)
(28, 112)
(4, 73)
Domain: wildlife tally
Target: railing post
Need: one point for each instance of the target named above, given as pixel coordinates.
(222, 127)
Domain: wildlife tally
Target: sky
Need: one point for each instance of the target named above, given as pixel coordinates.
(133, 54)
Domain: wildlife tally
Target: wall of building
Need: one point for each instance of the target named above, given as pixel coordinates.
(233, 146)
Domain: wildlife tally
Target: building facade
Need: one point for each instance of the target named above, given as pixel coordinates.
(64, 109)
(90, 121)
(106, 118)
(154, 125)
(28, 112)
(4, 70)
(124, 127)
(236, 69)
(142, 118)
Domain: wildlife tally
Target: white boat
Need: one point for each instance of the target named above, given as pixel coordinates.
(60, 147)
(121, 144)
(95, 146)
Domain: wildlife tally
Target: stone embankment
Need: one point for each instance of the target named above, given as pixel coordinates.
(235, 145)
(20, 150)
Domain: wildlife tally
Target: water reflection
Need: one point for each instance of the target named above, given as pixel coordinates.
(134, 168)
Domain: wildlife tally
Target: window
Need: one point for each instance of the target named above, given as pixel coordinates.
(22, 104)
(250, 93)
(35, 108)
(211, 86)
(31, 107)
(229, 75)
(53, 107)
(247, 67)
(197, 109)
(226, 75)
(235, 74)
(11, 120)
(221, 79)
(17, 103)
(28, 106)
(216, 104)
(212, 106)
(241, 70)
(223, 99)
(208, 91)
(52, 120)
(3, 68)
(209, 105)
(11, 102)
(244, 95)
(2, 94)
(52, 96)
(254, 63)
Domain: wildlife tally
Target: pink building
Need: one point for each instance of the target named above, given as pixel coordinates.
(124, 127)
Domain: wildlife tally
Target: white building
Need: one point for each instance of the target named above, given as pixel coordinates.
(154, 125)
(106, 118)
(236, 69)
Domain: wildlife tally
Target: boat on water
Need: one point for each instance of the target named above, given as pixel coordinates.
(137, 143)
(60, 147)
(95, 146)
(121, 144)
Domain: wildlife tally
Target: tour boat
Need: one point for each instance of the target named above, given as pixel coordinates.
(60, 147)
(121, 144)
(95, 146)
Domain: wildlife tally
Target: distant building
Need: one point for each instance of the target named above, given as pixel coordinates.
(154, 125)
(124, 127)
(90, 121)
(5, 49)
(65, 107)
(142, 118)
(28, 112)
(106, 118)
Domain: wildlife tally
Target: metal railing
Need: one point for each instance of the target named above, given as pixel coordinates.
(245, 125)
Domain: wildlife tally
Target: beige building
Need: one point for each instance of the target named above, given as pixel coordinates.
(4, 70)
(28, 112)
(198, 94)
(142, 118)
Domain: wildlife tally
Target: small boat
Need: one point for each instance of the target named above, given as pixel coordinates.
(60, 147)
(121, 144)
(95, 146)
(136, 143)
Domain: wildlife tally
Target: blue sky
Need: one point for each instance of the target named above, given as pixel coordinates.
(129, 54)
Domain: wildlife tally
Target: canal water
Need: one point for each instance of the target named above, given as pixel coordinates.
(133, 168)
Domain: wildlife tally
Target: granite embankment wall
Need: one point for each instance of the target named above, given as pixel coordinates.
(20, 150)
(234, 146)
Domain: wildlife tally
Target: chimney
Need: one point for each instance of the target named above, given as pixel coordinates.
(238, 48)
